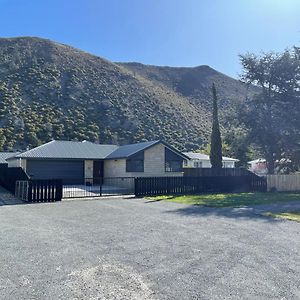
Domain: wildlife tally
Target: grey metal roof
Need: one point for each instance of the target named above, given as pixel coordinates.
(69, 150)
(201, 156)
(6, 155)
(87, 150)
(128, 150)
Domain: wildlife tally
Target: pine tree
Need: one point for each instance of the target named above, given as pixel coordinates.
(216, 143)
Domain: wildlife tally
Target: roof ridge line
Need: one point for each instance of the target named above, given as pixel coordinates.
(40, 146)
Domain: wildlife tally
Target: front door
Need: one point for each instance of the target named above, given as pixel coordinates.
(98, 172)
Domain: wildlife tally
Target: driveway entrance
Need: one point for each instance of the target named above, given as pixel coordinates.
(100, 187)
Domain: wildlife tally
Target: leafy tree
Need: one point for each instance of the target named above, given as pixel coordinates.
(239, 146)
(2, 139)
(272, 116)
(216, 143)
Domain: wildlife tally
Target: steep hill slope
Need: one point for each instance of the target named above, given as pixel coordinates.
(53, 91)
(194, 83)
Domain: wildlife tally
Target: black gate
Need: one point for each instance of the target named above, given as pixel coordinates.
(97, 187)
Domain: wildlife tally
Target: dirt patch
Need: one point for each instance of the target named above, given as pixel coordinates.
(108, 280)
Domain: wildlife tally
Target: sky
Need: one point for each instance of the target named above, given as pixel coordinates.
(160, 32)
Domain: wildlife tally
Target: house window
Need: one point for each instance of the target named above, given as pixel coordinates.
(135, 163)
(197, 164)
(173, 162)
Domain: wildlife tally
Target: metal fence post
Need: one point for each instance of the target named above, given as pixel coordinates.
(29, 194)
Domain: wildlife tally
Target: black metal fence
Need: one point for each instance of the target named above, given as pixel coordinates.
(54, 190)
(199, 172)
(149, 186)
(39, 190)
(96, 187)
(9, 176)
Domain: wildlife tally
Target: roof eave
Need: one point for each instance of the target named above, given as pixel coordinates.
(132, 154)
(175, 150)
(62, 158)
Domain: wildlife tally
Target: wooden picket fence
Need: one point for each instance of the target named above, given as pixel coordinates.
(149, 186)
(39, 190)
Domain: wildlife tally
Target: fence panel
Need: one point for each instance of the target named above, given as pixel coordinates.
(284, 183)
(9, 177)
(206, 172)
(39, 190)
(191, 185)
(21, 190)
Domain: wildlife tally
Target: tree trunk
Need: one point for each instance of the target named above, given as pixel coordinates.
(270, 164)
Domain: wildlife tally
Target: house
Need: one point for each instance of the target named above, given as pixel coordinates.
(200, 160)
(258, 166)
(81, 162)
(5, 155)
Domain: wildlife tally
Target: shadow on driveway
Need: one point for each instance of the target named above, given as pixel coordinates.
(249, 212)
(234, 213)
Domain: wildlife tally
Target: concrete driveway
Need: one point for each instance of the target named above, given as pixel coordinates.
(134, 249)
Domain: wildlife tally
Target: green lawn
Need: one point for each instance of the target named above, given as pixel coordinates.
(292, 216)
(229, 200)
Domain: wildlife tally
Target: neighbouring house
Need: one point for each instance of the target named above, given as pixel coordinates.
(5, 155)
(258, 166)
(81, 162)
(200, 160)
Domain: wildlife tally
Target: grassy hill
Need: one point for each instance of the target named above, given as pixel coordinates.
(53, 91)
(194, 83)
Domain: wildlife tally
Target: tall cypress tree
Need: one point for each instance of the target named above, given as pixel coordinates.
(216, 143)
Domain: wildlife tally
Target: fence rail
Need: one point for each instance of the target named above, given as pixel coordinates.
(192, 185)
(39, 190)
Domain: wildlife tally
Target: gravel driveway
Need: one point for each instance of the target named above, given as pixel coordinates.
(134, 249)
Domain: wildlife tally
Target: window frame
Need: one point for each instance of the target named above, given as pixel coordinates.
(132, 163)
(198, 164)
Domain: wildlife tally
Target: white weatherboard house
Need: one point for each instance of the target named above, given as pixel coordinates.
(258, 166)
(81, 162)
(200, 160)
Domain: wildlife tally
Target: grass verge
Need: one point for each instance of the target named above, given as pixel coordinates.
(229, 200)
(292, 216)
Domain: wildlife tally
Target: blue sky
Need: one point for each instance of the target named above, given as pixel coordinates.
(160, 32)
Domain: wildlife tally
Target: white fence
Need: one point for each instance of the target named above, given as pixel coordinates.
(284, 183)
